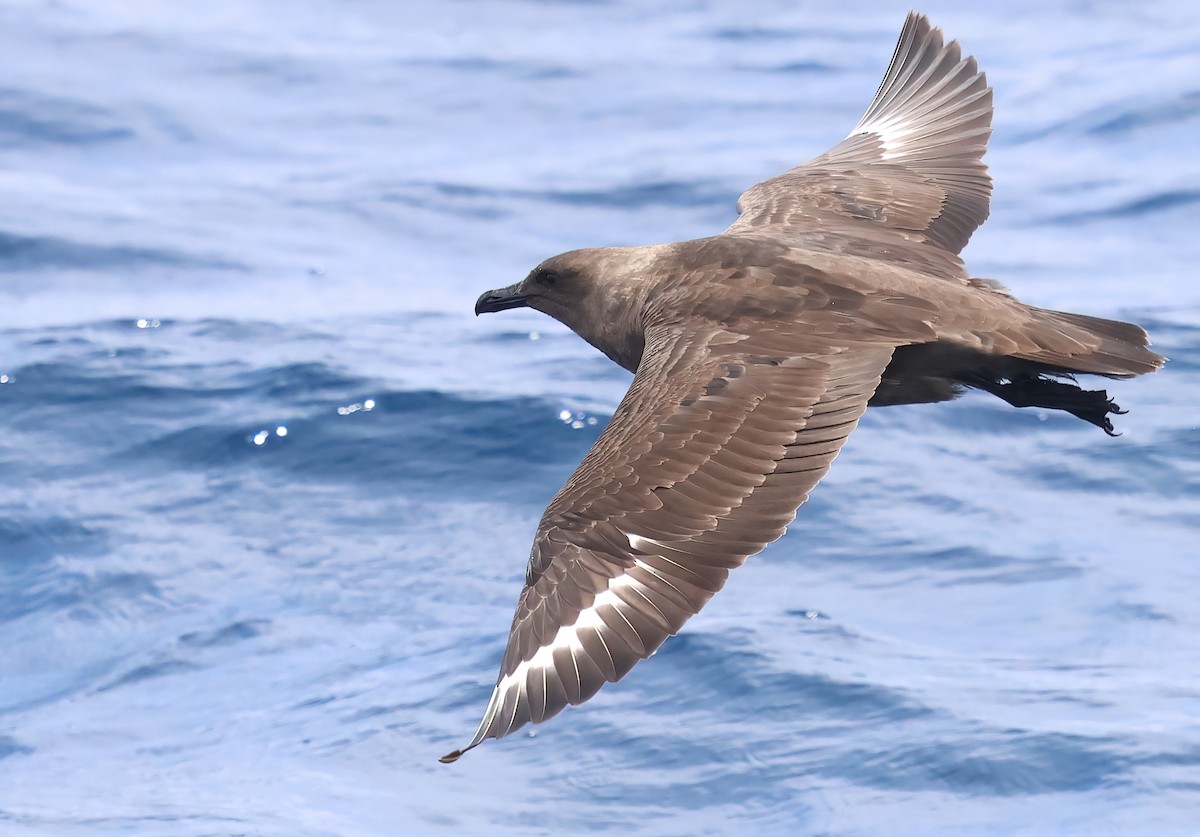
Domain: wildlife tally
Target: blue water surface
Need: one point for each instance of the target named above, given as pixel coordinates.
(268, 486)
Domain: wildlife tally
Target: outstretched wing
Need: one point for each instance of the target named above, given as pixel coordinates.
(718, 441)
(910, 173)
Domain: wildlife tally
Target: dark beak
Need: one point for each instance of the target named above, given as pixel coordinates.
(500, 299)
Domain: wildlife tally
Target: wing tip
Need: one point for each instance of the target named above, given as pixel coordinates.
(933, 114)
(484, 732)
(914, 86)
(455, 755)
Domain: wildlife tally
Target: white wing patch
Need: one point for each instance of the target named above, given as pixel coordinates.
(567, 637)
(891, 133)
(640, 544)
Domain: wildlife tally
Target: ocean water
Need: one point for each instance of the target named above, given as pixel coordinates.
(267, 487)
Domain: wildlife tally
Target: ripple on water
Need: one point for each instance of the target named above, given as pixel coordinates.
(1000, 763)
(30, 118)
(228, 635)
(34, 253)
(150, 671)
(483, 446)
(11, 747)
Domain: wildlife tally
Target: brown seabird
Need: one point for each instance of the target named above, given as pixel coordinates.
(755, 353)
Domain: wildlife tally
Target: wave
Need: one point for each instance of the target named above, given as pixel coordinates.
(30, 118)
(34, 252)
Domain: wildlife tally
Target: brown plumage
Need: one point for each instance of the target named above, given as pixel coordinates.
(756, 352)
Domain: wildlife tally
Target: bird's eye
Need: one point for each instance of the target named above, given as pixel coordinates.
(546, 277)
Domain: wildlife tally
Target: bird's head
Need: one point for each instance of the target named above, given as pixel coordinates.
(597, 293)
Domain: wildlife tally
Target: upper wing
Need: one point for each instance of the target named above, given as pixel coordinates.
(718, 441)
(911, 171)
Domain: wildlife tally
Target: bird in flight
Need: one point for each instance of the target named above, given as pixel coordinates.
(755, 352)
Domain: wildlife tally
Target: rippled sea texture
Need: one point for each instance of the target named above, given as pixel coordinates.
(268, 487)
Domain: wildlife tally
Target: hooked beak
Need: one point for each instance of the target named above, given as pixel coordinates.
(500, 299)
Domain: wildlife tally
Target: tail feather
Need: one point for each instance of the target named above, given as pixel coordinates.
(1030, 363)
(1092, 345)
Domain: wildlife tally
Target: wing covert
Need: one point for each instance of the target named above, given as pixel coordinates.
(718, 441)
(910, 173)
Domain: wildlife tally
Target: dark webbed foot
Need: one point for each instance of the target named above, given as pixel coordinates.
(1092, 405)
